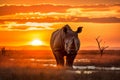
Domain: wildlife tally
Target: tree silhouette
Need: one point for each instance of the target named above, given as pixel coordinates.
(101, 48)
(3, 51)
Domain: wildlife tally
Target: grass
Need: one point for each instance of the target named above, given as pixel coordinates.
(109, 58)
(54, 74)
(22, 69)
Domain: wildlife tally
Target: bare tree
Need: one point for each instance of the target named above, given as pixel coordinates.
(101, 48)
(3, 51)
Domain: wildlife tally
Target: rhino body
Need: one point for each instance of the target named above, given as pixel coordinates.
(65, 42)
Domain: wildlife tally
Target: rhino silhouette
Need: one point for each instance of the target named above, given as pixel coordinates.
(65, 42)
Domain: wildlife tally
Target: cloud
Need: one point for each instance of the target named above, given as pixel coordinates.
(95, 12)
(61, 13)
(46, 8)
(41, 23)
(97, 20)
(26, 26)
(43, 8)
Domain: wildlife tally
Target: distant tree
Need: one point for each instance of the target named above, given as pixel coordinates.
(3, 50)
(101, 48)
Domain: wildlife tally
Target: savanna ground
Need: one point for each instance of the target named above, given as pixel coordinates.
(40, 65)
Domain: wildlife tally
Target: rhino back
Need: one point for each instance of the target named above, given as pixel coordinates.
(56, 41)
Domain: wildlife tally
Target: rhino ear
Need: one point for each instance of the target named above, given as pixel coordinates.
(79, 30)
(65, 29)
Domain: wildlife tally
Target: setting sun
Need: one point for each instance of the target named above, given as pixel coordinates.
(36, 42)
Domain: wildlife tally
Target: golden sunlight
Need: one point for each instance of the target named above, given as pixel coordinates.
(36, 42)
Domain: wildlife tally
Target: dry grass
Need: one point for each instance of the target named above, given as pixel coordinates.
(54, 74)
(22, 69)
(109, 58)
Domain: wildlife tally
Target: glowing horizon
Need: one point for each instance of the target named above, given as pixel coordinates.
(22, 23)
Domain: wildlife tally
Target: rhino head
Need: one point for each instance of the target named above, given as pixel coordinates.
(71, 40)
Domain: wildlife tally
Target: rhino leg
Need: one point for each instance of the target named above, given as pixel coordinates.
(70, 59)
(59, 59)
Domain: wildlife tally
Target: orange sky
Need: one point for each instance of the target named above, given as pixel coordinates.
(70, 2)
(20, 24)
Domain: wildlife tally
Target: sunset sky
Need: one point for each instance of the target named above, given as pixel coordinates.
(23, 21)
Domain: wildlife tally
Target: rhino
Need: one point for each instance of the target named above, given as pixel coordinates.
(64, 42)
